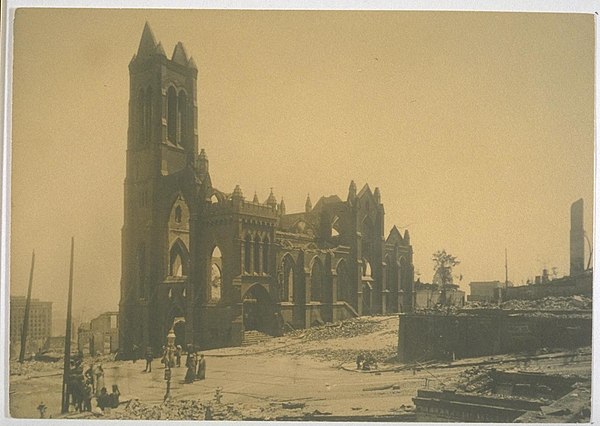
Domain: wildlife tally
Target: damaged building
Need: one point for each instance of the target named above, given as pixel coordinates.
(212, 264)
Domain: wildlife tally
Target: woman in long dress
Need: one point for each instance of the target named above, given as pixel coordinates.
(190, 363)
(201, 368)
(99, 379)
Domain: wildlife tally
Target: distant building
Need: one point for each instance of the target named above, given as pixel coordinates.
(486, 291)
(580, 284)
(100, 335)
(39, 328)
(84, 338)
(580, 280)
(428, 295)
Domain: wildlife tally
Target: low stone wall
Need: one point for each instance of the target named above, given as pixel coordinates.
(489, 332)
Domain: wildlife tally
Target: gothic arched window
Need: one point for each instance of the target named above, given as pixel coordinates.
(343, 283)
(247, 253)
(287, 285)
(316, 281)
(148, 116)
(265, 265)
(257, 265)
(216, 280)
(172, 115)
(181, 118)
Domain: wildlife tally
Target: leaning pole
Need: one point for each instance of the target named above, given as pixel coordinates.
(67, 365)
(25, 328)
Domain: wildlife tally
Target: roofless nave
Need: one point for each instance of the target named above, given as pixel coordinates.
(212, 264)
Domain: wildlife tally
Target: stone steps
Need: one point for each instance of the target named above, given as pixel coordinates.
(253, 337)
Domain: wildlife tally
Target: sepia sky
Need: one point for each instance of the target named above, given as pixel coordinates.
(477, 128)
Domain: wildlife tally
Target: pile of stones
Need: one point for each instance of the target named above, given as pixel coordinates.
(550, 303)
(343, 329)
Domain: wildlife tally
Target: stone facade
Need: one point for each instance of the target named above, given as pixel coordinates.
(100, 335)
(212, 264)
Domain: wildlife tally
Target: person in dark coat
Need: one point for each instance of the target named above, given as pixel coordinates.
(103, 399)
(114, 397)
(201, 368)
(190, 363)
(87, 398)
(178, 351)
(149, 358)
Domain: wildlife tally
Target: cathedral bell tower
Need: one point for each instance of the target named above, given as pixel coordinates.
(162, 146)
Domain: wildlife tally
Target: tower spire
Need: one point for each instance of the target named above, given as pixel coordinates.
(147, 43)
(308, 205)
(352, 192)
(272, 201)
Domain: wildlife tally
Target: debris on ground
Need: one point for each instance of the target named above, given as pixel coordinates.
(342, 329)
(550, 303)
(292, 405)
(29, 367)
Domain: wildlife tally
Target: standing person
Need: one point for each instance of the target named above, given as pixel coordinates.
(178, 356)
(103, 399)
(135, 352)
(99, 379)
(114, 397)
(149, 358)
(42, 409)
(190, 363)
(201, 368)
(92, 373)
(87, 398)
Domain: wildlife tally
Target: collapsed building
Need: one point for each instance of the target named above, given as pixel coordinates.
(508, 396)
(213, 265)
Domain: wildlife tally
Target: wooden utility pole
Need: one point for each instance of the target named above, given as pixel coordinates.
(67, 365)
(25, 328)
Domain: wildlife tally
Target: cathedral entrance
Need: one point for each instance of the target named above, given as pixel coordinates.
(179, 329)
(258, 309)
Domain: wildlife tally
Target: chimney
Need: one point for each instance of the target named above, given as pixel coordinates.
(577, 236)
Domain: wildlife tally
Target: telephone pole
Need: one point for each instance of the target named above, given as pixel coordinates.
(25, 328)
(67, 365)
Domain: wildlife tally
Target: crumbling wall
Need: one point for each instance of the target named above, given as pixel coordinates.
(489, 332)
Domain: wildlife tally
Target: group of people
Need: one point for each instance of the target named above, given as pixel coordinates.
(196, 366)
(171, 357)
(365, 362)
(84, 386)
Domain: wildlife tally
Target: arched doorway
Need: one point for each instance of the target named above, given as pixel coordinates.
(366, 298)
(259, 312)
(179, 329)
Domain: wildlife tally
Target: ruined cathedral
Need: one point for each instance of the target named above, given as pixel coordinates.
(213, 265)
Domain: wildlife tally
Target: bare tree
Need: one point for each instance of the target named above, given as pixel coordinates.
(442, 265)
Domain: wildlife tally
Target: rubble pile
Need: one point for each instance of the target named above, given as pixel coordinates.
(343, 329)
(176, 410)
(439, 309)
(550, 303)
(476, 379)
(350, 355)
(29, 367)
(198, 410)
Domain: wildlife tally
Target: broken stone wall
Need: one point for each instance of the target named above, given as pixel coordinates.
(488, 332)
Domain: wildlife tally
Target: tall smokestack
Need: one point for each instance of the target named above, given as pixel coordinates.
(577, 238)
